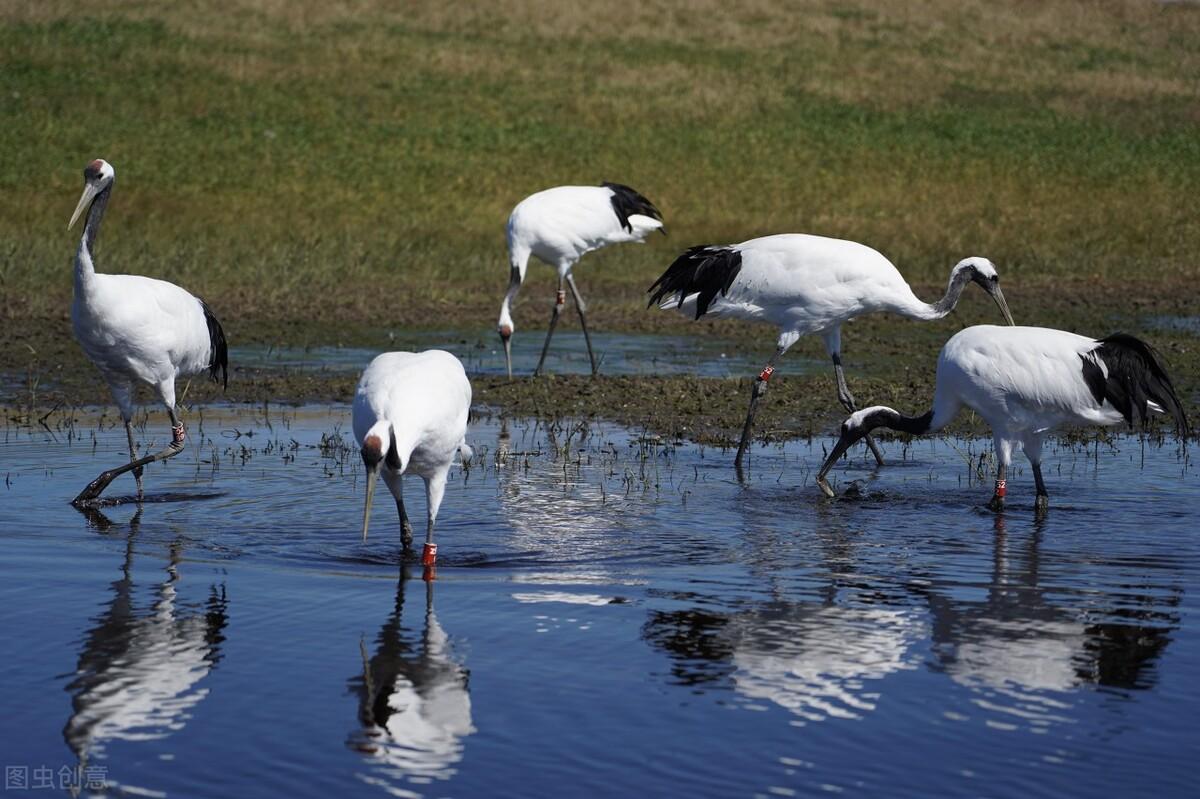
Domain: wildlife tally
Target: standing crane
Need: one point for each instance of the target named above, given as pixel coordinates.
(137, 330)
(805, 284)
(559, 226)
(410, 417)
(1024, 382)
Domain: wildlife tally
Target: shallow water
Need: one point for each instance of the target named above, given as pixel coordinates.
(617, 354)
(612, 616)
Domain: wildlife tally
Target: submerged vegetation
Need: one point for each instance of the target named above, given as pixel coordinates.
(331, 172)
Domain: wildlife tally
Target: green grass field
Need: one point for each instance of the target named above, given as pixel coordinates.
(344, 163)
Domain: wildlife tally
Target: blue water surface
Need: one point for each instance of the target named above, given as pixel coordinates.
(613, 615)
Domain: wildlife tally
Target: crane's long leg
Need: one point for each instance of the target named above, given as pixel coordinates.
(137, 471)
(579, 306)
(122, 391)
(435, 488)
(1003, 457)
(560, 300)
(1033, 451)
(97, 486)
(756, 393)
(1042, 503)
(847, 400)
(395, 485)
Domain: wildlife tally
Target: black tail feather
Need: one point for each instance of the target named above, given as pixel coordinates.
(218, 359)
(1136, 375)
(626, 202)
(705, 270)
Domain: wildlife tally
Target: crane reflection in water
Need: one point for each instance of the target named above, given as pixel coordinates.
(414, 706)
(1018, 646)
(142, 664)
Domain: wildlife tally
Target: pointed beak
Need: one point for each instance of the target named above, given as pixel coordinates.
(844, 443)
(998, 296)
(507, 353)
(89, 194)
(372, 475)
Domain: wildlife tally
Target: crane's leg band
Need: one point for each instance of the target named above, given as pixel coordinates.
(766, 373)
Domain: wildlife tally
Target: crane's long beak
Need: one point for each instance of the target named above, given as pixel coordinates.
(844, 443)
(372, 475)
(89, 194)
(508, 353)
(998, 296)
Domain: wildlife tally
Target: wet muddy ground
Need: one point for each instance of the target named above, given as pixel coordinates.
(659, 371)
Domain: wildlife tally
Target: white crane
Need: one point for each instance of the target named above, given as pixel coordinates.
(805, 284)
(1025, 381)
(410, 417)
(137, 330)
(561, 225)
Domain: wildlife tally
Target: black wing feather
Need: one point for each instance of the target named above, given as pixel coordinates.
(218, 358)
(1136, 375)
(706, 270)
(626, 202)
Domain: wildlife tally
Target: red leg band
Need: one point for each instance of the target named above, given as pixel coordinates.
(1001, 488)
(766, 373)
(562, 298)
(177, 434)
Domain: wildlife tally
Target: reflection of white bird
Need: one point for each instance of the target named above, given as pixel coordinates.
(415, 707)
(816, 661)
(805, 284)
(137, 330)
(139, 672)
(814, 665)
(560, 226)
(410, 417)
(1025, 381)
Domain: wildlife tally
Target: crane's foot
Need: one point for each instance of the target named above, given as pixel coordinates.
(406, 536)
(1041, 505)
(826, 488)
(95, 488)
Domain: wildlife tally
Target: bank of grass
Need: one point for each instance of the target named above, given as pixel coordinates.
(340, 169)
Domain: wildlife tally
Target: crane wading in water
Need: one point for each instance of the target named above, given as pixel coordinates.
(559, 226)
(137, 330)
(410, 417)
(1024, 382)
(805, 284)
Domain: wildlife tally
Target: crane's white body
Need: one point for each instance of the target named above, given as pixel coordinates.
(1023, 381)
(1026, 381)
(559, 226)
(418, 404)
(805, 284)
(808, 284)
(562, 224)
(138, 330)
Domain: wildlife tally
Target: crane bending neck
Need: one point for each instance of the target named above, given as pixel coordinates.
(959, 278)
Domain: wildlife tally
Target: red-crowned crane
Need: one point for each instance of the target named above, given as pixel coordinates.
(410, 417)
(805, 284)
(1024, 382)
(559, 226)
(137, 330)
